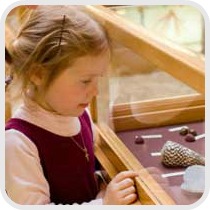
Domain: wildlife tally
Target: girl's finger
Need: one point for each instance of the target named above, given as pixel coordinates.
(125, 174)
(127, 191)
(128, 182)
(131, 198)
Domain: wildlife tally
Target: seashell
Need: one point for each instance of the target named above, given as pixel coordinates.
(174, 154)
(194, 179)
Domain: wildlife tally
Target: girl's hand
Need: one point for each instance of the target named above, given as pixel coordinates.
(121, 190)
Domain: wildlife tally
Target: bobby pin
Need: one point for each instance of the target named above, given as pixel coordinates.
(62, 29)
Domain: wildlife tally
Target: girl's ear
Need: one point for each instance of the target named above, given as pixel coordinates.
(37, 75)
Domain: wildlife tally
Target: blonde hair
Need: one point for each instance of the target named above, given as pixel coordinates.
(52, 38)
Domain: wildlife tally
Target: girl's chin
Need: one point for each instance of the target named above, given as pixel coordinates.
(73, 113)
(76, 113)
(83, 106)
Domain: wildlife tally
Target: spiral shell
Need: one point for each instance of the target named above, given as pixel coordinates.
(174, 154)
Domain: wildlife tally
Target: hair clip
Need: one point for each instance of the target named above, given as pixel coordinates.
(62, 29)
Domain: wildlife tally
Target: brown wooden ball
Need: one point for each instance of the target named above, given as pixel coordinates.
(184, 131)
(189, 137)
(139, 140)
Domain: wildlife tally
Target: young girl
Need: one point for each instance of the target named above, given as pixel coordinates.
(58, 56)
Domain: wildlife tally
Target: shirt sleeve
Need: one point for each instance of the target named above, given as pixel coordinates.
(24, 178)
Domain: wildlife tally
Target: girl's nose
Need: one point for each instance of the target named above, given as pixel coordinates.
(93, 91)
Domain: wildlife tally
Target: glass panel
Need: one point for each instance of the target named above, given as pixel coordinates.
(133, 80)
(149, 150)
(130, 89)
(143, 80)
(172, 22)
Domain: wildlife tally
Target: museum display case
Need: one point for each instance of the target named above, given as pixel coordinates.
(154, 89)
(151, 99)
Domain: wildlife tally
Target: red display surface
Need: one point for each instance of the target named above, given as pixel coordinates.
(152, 145)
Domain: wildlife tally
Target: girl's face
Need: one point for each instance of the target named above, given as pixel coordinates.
(72, 91)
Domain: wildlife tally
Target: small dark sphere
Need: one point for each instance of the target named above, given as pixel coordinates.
(184, 131)
(193, 132)
(139, 140)
(189, 138)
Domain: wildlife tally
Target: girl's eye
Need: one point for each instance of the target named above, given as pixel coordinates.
(86, 82)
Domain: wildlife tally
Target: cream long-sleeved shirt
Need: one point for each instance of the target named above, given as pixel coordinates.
(24, 178)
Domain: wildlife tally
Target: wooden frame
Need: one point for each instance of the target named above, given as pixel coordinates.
(109, 149)
(172, 111)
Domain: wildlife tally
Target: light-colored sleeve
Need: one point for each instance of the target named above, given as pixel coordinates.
(24, 178)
